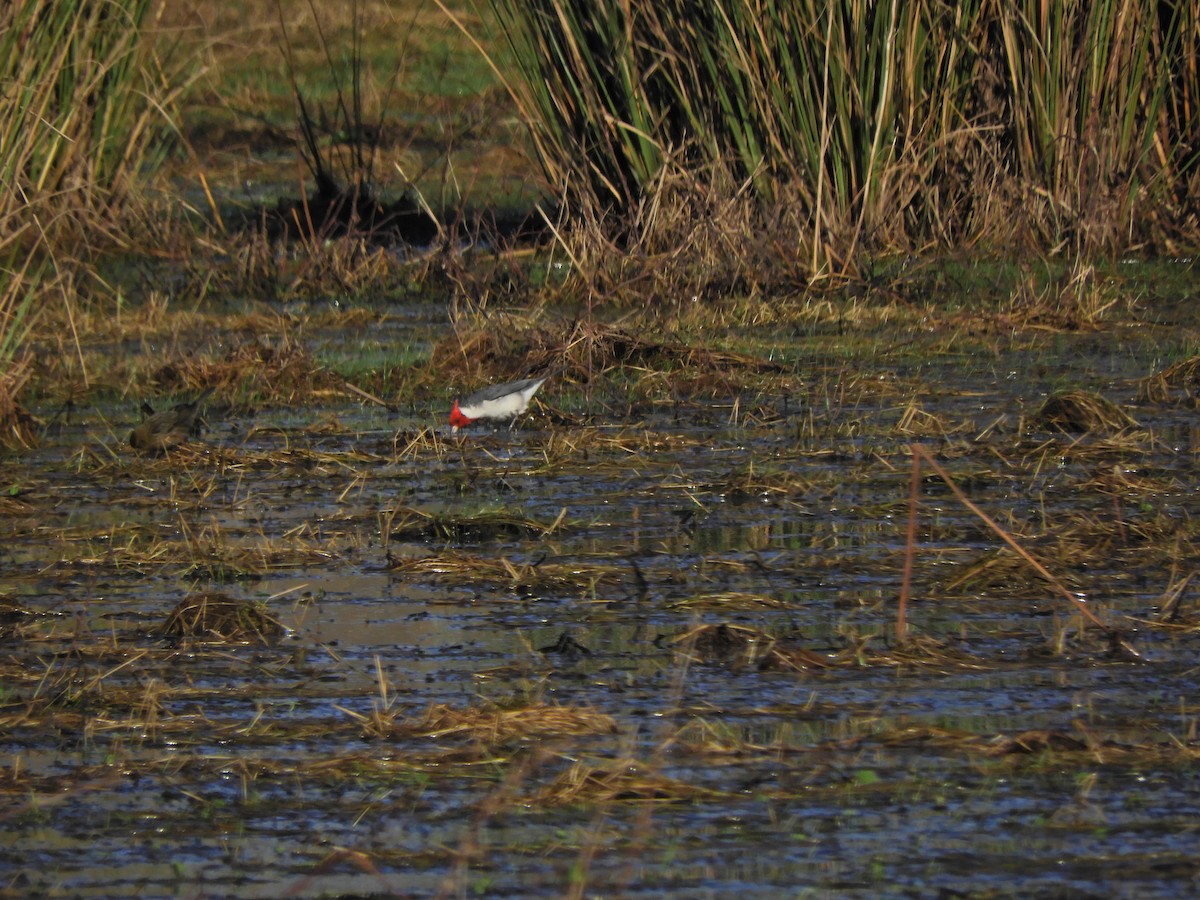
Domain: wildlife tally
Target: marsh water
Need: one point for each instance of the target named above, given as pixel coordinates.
(622, 649)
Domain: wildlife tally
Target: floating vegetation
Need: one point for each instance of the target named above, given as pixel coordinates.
(272, 363)
(915, 421)
(1126, 480)
(419, 443)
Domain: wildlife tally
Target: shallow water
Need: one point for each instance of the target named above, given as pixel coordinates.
(1021, 757)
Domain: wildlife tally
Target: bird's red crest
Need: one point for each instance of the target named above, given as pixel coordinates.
(457, 419)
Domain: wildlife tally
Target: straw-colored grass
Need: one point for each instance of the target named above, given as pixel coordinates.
(622, 780)
(522, 577)
(405, 523)
(495, 726)
(1178, 383)
(1081, 411)
(729, 601)
(220, 618)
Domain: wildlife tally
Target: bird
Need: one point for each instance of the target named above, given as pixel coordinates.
(169, 428)
(498, 401)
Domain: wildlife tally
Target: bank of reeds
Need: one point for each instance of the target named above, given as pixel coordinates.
(855, 127)
(82, 103)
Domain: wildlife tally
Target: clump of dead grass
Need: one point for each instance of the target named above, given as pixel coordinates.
(505, 346)
(756, 480)
(1079, 411)
(606, 447)
(917, 422)
(520, 577)
(1178, 383)
(488, 726)
(996, 572)
(338, 267)
(741, 648)
(220, 618)
(1124, 480)
(415, 445)
(408, 524)
(729, 600)
(620, 780)
(496, 726)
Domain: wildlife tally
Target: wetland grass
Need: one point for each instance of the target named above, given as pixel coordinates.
(1019, 127)
(712, 504)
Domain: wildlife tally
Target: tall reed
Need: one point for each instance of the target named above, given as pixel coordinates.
(1088, 84)
(82, 103)
(881, 125)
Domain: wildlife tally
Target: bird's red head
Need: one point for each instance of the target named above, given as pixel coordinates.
(457, 419)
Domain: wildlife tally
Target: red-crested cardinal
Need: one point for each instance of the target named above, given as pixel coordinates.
(499, 401)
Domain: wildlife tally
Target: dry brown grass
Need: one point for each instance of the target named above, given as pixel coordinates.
(17, 425)
(609, 449)
(1124, 480)
(1177, 383)
(1077, 300)
(496, 727)
(423, 442)
(915, 421)
(16, 621)
(466, 568)
(220, 618)
(1081, 411)
(405, 523)
(196, 551)
(271, 364)
(622, 780)
(507, 346)
(619, 368)
(731, 601)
